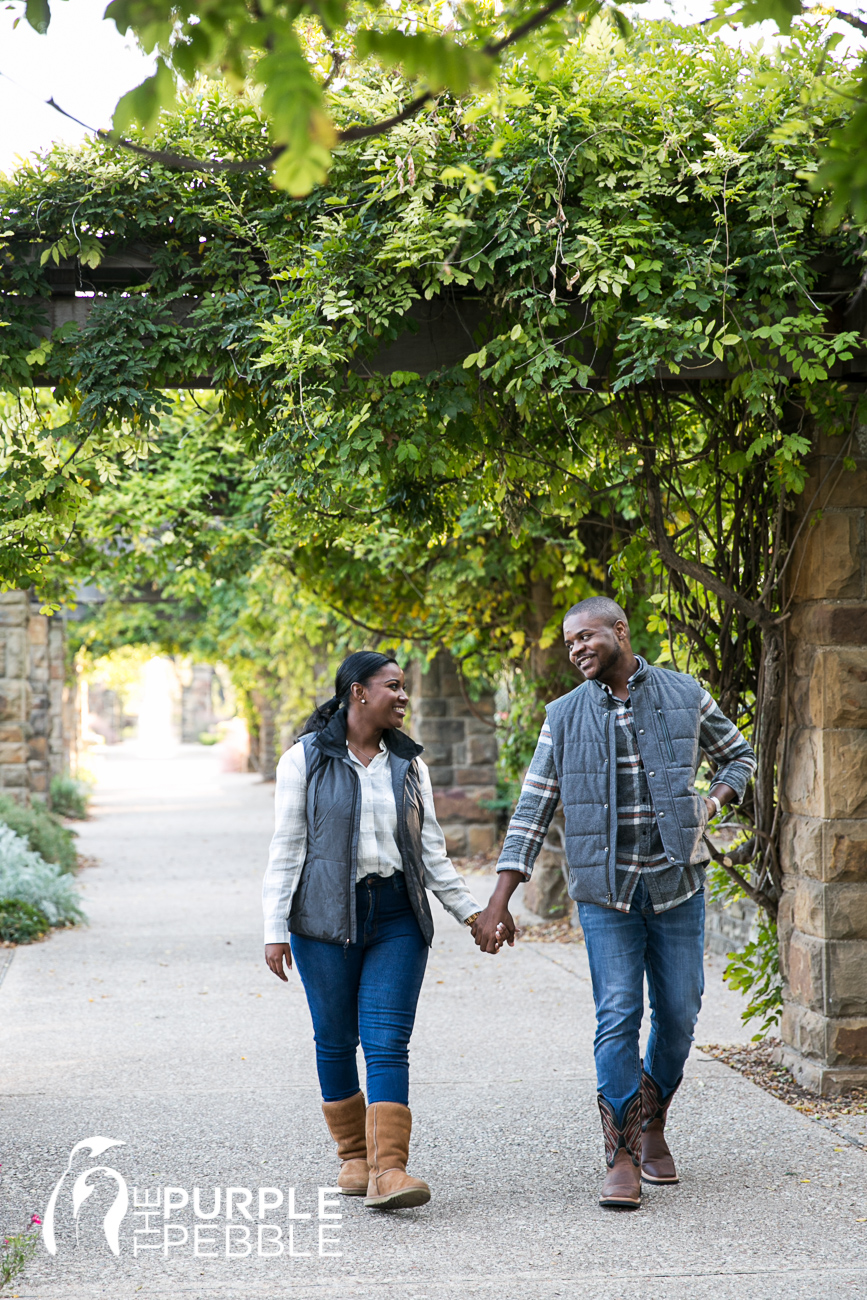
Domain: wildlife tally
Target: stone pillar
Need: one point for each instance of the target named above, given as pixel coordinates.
(14, 694)
(197, 704)
(31, 697)
(460, 750)
(823, 912)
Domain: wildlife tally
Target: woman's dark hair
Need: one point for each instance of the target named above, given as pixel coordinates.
(358, 667)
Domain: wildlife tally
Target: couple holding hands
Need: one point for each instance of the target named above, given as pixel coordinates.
(357, 846)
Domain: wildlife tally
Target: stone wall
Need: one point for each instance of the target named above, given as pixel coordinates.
(823, 913)
(31, 697)
(197, 702)
(461, 752)
(729, 928)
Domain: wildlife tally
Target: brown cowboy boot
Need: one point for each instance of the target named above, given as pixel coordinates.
(657, 1165)
(621, 1189)
(345, 1120)
(389, 1125)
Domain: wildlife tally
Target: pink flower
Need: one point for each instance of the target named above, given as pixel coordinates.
(34, 1218)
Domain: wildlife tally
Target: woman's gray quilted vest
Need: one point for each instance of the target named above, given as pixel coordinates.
(323, 905)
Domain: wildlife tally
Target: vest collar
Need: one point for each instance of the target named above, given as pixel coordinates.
(638, 676)
(331, 740)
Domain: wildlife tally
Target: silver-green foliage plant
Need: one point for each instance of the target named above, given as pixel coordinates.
(25, 876)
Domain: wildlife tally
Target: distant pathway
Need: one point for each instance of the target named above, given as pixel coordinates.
(159, 1026)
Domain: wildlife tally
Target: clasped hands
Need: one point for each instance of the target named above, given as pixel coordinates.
(492, 928)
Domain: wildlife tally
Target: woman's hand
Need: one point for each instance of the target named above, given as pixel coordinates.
(275, 955)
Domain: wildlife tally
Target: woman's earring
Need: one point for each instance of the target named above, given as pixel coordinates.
(364, 701)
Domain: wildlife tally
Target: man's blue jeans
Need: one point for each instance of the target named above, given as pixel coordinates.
(366, 990)
(622, 947)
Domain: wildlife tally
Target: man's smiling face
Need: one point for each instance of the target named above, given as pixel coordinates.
(593, 645)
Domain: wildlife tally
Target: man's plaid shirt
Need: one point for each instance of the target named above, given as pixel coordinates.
(639, 845)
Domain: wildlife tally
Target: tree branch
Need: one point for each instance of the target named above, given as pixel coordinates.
(379, 128)
(694, 568)
(858, 23)
(727, 863)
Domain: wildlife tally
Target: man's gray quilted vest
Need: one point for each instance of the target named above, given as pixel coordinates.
(666, 714)
(323, 905)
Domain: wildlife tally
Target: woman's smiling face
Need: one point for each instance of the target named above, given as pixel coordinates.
(386, 697)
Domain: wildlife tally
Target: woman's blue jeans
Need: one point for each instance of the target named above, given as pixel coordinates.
(622, 947)
(367, 991)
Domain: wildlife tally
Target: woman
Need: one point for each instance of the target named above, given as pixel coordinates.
(356, 843)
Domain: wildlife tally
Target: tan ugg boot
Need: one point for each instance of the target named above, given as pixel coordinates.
(621, 1189)
(390, 1188)
(345, 1120)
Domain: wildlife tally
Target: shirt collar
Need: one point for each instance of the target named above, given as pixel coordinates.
(636, 677)
(383, 749)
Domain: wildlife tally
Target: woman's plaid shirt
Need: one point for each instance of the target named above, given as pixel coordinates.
(639, 844)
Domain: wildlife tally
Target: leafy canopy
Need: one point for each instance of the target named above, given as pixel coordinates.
(292, 52)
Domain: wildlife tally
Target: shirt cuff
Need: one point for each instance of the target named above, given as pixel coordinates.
(737, 775)
(466, 908)
(513, 866)
(277, 932)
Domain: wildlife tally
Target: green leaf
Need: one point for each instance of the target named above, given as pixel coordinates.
(38, 15)
(143, 105)
(436, 59)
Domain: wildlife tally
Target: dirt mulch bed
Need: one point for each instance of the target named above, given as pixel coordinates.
(549, 932)
(755, 1061)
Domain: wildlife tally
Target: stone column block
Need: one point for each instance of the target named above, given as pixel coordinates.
(460, 804)
(829, 624)
(837, 911)
(827, 773)
(805, 971)
(847, 989)
(480, 772)
(827, 561)
(838, 688)
(481, 839)
(825, 849)
(13, 701)
(460, 752)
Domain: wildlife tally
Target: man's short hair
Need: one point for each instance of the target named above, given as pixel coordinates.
(602, 607)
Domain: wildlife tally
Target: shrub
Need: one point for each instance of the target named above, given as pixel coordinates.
(21, 922)
(69, 797)
(17, 1251)
(26, 877)
(42, 830)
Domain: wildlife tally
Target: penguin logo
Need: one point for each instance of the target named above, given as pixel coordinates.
(81, 1189)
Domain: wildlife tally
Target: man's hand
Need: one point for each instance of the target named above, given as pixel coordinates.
(492, 928)
(275, 955)
(495, 926)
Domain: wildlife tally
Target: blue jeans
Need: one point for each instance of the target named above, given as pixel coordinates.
(366, 990)
(622, 947)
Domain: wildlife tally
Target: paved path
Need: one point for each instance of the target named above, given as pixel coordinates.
(160, 1027)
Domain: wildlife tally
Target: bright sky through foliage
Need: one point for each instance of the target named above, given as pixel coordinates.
(85, 65)
(83, 62)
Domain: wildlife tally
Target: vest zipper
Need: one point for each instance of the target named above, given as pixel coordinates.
(666, 734)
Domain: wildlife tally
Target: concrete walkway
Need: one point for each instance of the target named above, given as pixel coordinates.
(160, 1027)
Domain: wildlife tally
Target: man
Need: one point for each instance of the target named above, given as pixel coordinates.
(622, 751)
